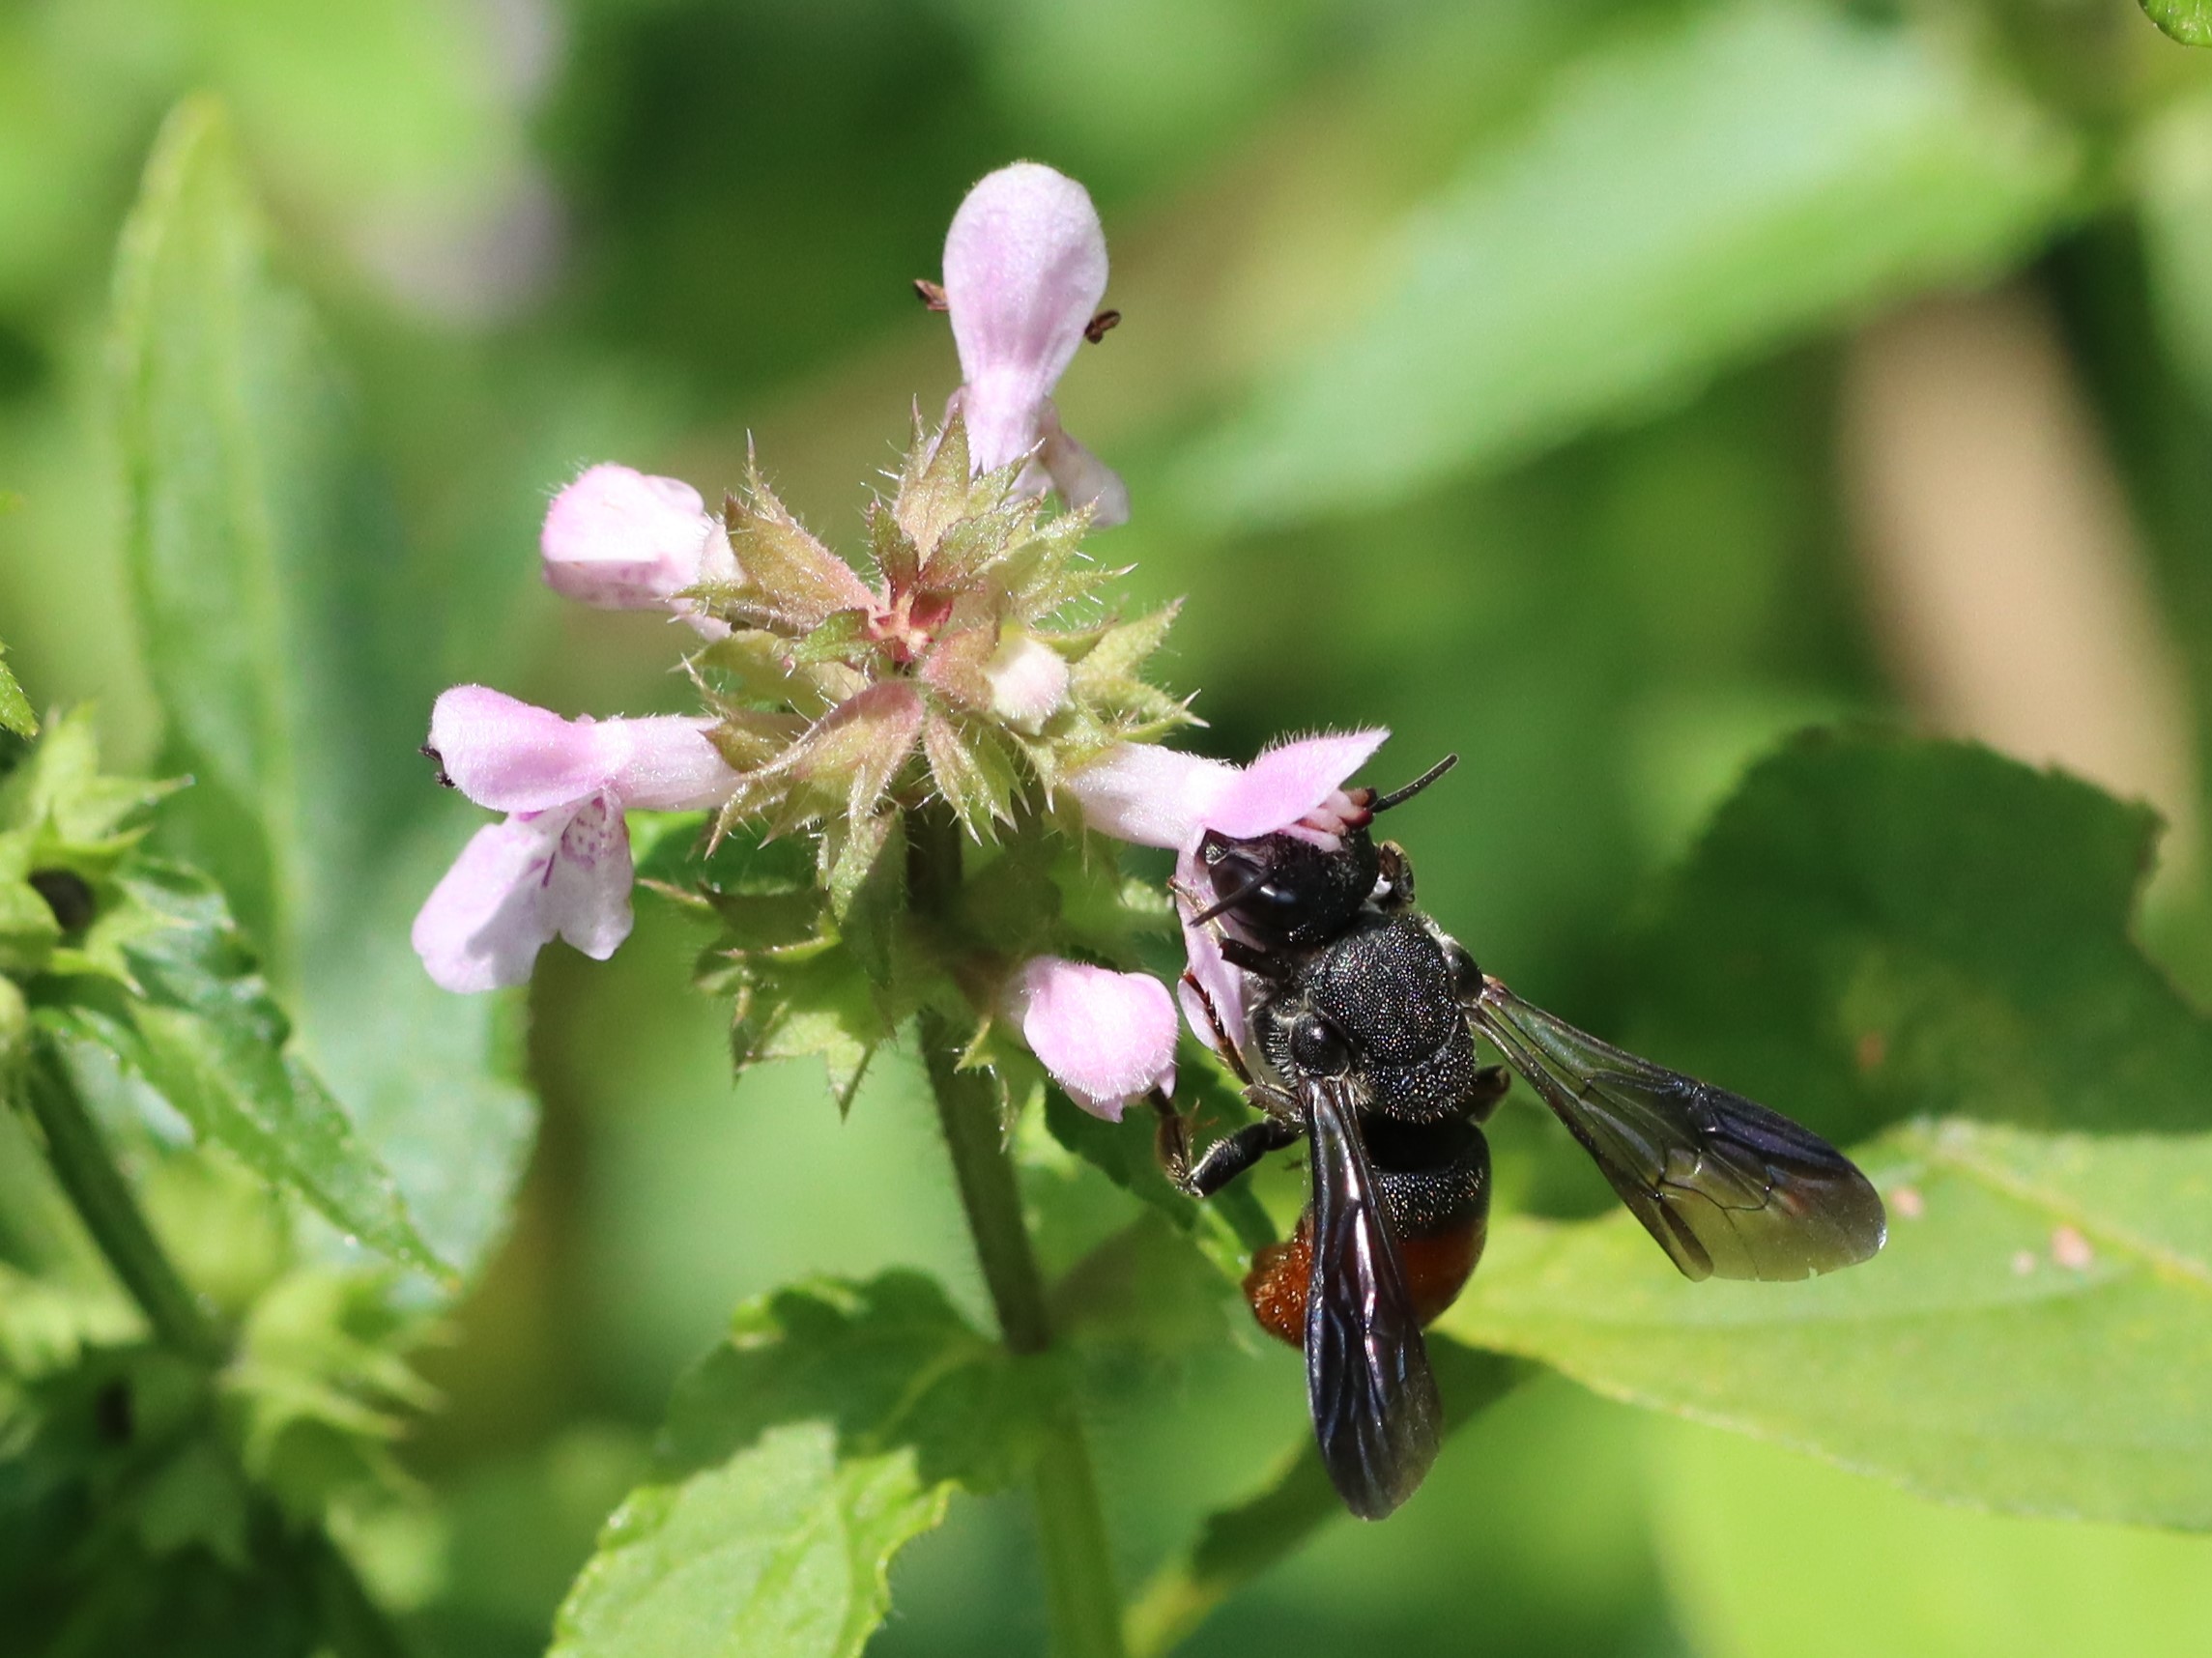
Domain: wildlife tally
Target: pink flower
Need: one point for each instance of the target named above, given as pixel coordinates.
(1107, 1038)
(625, 541)
(1156, 797)
(1025, 267)
(560, 865)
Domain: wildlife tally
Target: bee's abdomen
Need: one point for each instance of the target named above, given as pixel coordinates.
(1276, 1285)
(1437, 1267)
(1435, 1187)
(1434, 1183)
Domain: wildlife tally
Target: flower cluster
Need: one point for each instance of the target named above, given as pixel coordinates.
(974, 684)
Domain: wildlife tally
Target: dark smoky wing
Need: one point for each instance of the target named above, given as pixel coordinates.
(1375, 1410)
(1727, 1187)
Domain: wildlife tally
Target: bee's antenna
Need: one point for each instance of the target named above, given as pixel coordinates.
(1244, 891)
(1399, 796)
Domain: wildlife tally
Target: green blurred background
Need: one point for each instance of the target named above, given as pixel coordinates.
(1603, 388)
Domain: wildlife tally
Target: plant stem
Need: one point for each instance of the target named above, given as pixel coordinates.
(1082, 1604)
(85, 1166)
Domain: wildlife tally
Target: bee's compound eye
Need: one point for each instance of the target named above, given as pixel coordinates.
(1319, 1048)
(1235, 874)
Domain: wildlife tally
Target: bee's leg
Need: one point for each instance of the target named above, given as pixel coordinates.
(1172, 1139)
(1266, 963)
(1491, 1083)
(1233, 1155)
(1230, 1155)
(1223, 1044)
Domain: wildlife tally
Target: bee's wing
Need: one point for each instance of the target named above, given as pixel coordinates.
(1726, 1186)
(1375, 1410)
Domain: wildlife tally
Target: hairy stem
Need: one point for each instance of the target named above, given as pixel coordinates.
(1082, 1603)
(85, 1166)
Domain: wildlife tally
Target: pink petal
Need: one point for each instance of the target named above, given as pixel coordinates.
(1025, 267)
(513, 757)
(1202, 951)
(666, 764)
(624, 540)
(484, 923)
(1284, 783)
(1149, 795)
(520, 884)
(1082, 478)
(588, 892)
(1003, 422)
(1107, 1038)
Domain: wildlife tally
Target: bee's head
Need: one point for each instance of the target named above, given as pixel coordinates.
(1289, 889)
(1282, 889)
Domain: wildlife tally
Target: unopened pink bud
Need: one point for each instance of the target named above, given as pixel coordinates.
(621, 540)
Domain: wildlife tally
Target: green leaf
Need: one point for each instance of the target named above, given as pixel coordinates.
(60, 792)
(1873, 928)
(672, 848)
(798, 1457)
(841, 636)
(213, 1041)
(1123, 648)
(934, 489)
(28, 930)
(971, 771)
(1774, 1555)
(1876, 928)
(15, 714)
(1679, 203)
(810, 1001)
(866, 881)
(296, 656)
(788, 578)
(898, 560)
(2189, 21)
(2021, 1343)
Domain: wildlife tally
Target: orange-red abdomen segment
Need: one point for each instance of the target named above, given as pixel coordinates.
(1276, 1285)
(1437, 1268)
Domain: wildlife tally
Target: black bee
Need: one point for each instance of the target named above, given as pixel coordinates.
(1365, 1015)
